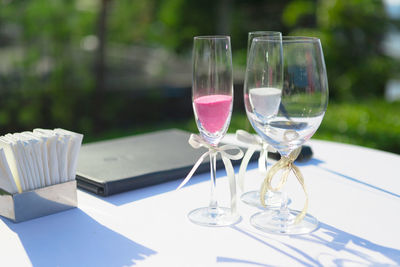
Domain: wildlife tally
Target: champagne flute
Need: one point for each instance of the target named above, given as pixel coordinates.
(212, 96)
(252, 197)
(255, 34)
(287, 116)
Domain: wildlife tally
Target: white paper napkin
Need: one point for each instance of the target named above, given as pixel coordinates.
(62, 155)
(31, 160)
(35, 144)
(51, 153)
(44, 153)
(29, 178)
(13, 162)
(73, 151)
(20, 162)
(7, 181)
(41, 151)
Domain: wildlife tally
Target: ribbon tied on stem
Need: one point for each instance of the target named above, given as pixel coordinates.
(286, 164)
(197, 142)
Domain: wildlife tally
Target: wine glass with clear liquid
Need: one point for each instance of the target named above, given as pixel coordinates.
(252, 197)
(286, 116)
(212, 96)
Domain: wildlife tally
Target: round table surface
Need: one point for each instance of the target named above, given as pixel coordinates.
(354, 193)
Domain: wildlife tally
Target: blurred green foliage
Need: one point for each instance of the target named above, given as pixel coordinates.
(351, 31)
(50, 50)
(49, 77)
(372, 122)
(352, 34)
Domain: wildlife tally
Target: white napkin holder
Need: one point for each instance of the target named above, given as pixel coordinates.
(40, 202)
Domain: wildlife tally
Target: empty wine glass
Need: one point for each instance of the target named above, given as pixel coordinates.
(252, 197)
(286, 116)
(212, 95)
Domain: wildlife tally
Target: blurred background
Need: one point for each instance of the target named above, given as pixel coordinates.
(111, 68)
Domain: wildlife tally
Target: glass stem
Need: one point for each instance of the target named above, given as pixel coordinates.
(284, 214)
(213, 207)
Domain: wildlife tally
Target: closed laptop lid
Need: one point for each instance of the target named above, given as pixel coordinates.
(123, 164)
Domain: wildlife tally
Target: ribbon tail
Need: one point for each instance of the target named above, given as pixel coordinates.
(262, 161)
(243, 167)
(232, 183)
(263, 191)
(266, 185)
(281, 183)
(273, 171)
(266, 158)
(192, 171)
(286, 165)
(300, 178)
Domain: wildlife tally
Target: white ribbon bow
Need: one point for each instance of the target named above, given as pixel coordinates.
(196, 142)
(254, 142)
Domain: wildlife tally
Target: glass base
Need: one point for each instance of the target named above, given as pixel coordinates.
(213, 217)
(271, 221)
(273, 200)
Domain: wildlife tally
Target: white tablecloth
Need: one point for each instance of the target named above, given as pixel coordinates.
(354, 192)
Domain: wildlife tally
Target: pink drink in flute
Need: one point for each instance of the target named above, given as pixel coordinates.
(213, 111)
(212, 99)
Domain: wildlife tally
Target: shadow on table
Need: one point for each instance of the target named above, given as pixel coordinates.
(317, 162)
(330, 237)
(73, 238)
(232, 260)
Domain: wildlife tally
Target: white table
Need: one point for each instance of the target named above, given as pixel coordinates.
(354, 192)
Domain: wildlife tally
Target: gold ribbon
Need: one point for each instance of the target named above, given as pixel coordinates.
(254, 143)
(196, 142)
(286, 164)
